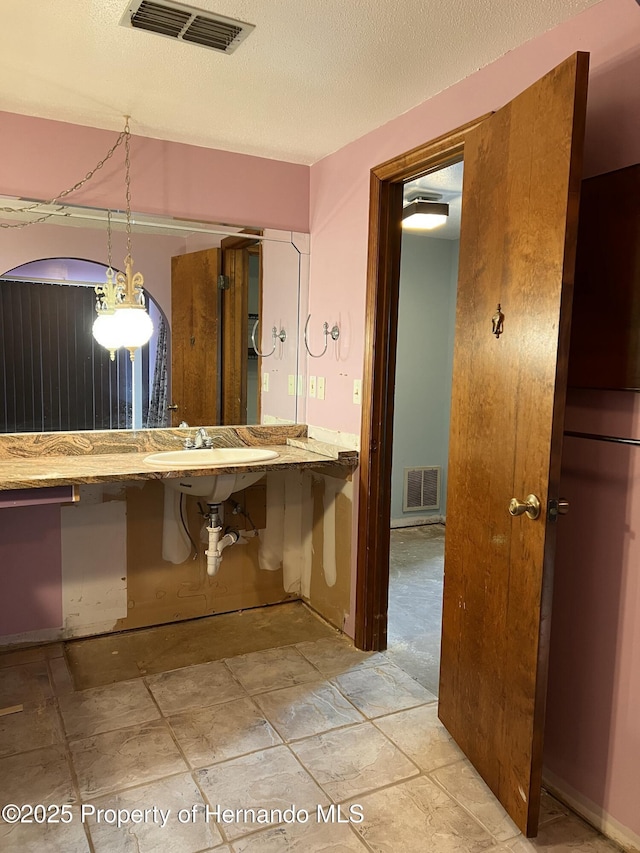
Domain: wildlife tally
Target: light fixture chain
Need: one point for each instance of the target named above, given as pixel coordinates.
(127, 178)
(124, 135)
(109, 239)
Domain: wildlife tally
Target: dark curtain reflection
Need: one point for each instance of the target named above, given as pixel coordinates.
(158, 413)
(53, 374)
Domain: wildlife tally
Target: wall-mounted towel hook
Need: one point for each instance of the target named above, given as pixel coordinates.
(275, 334)
(334, 333)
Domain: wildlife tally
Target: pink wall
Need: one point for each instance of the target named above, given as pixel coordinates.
(592, 737)
(593, 741)
(40, 158)
(340, 182)
(31, 573)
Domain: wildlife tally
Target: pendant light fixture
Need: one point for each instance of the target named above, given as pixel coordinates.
(122, 319)
(105, 326)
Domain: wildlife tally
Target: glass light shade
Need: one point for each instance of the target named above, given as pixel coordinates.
(424, 215)
(106, 332)
(135, 327)
(126, 327)
(423, 221)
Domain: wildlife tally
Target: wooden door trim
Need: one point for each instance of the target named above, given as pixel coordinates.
(378, 385)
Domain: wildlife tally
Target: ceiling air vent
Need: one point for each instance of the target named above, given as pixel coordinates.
(185, 23)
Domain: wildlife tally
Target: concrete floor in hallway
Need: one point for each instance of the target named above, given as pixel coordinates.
(307, 746)
(416, 576)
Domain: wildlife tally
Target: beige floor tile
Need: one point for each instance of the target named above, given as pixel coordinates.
(39, 776)
(103, 709)
(307, 709)
(382, 689)
(302, 838)
(335, 655)
(116, 760)
(550, 808)
(271, 779)
(271, 669)
(420, 734)
(30, 730)
(417, 816)
(565, 835)
(60, 676)
(220, 732)
(52, 837)
(194, 687)
(159, 829)
(349, 762)
(26, 684)
(464, 784)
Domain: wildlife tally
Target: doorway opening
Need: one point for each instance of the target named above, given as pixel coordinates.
(383, 276)
(422, 402)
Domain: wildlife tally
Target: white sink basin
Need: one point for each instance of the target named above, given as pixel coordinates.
(207, 457)
(214, 487)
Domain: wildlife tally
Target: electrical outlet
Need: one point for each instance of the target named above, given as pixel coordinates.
(357, 391)
(265, 381)
(292, 385)
(320, 387)
(312, 386)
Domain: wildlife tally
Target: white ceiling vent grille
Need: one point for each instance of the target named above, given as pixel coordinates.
(421, 488)
(185, 23)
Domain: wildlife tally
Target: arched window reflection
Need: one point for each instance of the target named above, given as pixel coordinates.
(53, 374)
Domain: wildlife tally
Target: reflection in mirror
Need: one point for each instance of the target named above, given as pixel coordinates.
(206, 285)
(56, 376)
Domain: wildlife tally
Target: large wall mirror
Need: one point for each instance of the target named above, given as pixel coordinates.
(225, 301)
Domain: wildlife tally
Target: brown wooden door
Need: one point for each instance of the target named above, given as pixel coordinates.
(235, 340)
(195, 374)
(522, 171)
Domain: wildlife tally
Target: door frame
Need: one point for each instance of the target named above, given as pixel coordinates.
(378, 384)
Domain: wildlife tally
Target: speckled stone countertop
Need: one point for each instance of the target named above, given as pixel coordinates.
(37, 460)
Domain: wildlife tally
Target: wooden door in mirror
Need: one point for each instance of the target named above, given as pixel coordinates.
(605, 331)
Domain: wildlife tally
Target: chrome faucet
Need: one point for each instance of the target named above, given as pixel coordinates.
(203, 439)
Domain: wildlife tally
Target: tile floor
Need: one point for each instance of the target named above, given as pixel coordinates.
(416, 576)
(309, 725)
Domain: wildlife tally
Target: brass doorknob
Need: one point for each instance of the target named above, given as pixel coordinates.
(530, 505)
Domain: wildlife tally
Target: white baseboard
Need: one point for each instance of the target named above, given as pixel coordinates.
(591, 812)
(418, 522)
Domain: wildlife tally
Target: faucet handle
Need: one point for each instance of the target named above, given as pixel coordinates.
(208, 441)
(188, 443)
(183, 424)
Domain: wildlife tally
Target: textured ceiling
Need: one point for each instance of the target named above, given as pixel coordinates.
(312, 76)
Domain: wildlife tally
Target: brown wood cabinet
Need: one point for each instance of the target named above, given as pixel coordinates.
(605, 332)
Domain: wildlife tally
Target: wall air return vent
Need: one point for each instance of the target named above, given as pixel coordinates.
(421, 489)
(185, 23)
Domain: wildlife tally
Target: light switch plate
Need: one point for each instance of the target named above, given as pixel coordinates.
(292, 385)
(357, 391)
(320, 387)
(312, 386)
(265, 381)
